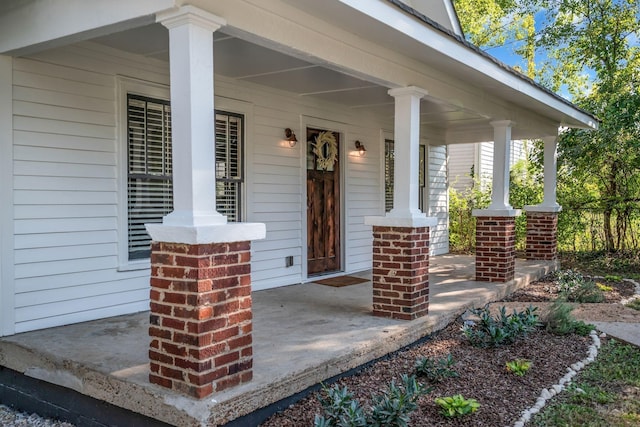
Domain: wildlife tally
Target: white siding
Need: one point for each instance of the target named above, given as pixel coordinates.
(438, 198)
(484, 165)
(275, 177)
(66, 167)
(479, 155)
(65, 188)
(462, 157)
(518, 151)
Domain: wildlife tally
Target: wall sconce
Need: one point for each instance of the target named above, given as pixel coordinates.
(360, 148)
(290, 137)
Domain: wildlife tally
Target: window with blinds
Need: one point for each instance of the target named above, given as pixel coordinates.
(150, 189)
(229, 173)
(388, 175)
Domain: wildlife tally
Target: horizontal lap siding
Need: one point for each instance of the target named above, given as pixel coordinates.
(484, 168)
(364, 196)
(276, 173)
(438, 198)
(65, 188)
(462, 157)
(66, 168)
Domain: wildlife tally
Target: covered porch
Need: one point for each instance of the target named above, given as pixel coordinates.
(303, 334)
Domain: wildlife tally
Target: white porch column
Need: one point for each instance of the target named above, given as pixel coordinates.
(542, 219)
(401, 238)
(549, 203)
(495, 226)
(501, 157)
(191, 65)
(406, 152)
(200, 302)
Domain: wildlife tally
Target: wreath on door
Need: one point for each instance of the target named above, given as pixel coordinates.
(326, 149)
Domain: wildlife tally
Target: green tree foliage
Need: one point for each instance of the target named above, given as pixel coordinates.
(589, 50)
(494, 23)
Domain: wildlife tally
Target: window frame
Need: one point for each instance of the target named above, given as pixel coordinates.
(241, 162)
(126, 86)
(388, 164)
(152, 182)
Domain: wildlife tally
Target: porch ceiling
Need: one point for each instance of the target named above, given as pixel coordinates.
(245, 61)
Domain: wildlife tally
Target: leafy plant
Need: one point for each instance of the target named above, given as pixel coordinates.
(456, 405)
(462, 224)
(583, 329)
(340, 410)
(519, 366)
(436, 370)
(568, 280)
(603, 287)
(503, 329)
(559, 320)
(392, 408)
(575, 287)
(635, 304)
(587, 292)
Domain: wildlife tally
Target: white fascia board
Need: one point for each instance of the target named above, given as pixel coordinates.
(55, 23)
(453, 49)
(453, 16)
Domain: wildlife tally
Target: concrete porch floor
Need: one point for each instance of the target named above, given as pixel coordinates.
(303, 334)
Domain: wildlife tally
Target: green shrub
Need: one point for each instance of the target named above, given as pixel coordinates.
(456, 406)
(568, 280)
(559, 320)
(587, 292)
(462, 224)
(436, 370)
(392, 408)
(575, 287)
(500, 330)
(635, 304)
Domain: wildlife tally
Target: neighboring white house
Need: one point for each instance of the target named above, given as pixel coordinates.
(477, 159)
(86, 147)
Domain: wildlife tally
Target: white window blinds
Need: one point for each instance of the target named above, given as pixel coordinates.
(388, 175)
(150, 189)
(229, 174)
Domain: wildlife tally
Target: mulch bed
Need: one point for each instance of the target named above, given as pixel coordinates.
(482, 374)
(544, 290)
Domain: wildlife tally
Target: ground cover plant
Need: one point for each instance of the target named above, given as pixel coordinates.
(392, 408)
(482, 376)
(493, 331)
(482, 373)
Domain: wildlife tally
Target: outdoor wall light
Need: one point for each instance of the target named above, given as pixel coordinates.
(360, 148)
(290, 137)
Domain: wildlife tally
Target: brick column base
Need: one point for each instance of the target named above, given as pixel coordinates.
(201, 319)
(542, 236)
(495, 248)
(400, 272)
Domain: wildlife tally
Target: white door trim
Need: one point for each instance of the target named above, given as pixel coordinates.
(341, 128)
